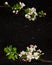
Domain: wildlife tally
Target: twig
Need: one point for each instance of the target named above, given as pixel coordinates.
(47, 61)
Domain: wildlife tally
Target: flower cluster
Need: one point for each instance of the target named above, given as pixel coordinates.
(31, 53)
(17, 7)
(31, 13)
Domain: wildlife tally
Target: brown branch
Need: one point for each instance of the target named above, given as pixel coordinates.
(4, 6)
(47, 61)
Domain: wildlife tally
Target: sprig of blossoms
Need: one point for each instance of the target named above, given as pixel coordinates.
(17, 7)
(7, 4)
(31, 53)
(30, 13)
(41, 13)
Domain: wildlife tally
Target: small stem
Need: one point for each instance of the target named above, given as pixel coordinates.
(4, 6)
(47, 61)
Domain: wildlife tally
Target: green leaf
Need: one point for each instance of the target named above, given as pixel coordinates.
(10, 48)
(11, 52)
(41, 14)
(33, 52)
(14, 49)
(8, 54)
(27, 50)
(26, 10)
(16, 55)
(6, 50)
(16, 6)
(24, 56)
(11, 56)
(32, 16)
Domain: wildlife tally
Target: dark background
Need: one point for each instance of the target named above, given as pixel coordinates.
(20, 32)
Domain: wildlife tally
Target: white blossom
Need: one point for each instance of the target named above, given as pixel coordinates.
(42, 53)
(35, 46)
(22, 53)
(44, 13)
(22, 4)
(13, 11)
(31, 49)
(28, 48)
(37, 57)
(29, 56)
(6, 3)
(32, 53)
(28, 53)
(27, 16)
(36, 54)
(31, 46)
(32, 11)
(39, 51)
(16, 11)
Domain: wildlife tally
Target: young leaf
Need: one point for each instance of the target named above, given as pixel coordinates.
(24, 56)
(14, 49)
(26, 10)
(32, 16)
(6, 50)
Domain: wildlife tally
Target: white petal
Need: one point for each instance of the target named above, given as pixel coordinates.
(27, 16)
(36, 13)
(16, 11)
(39, 50)
(20, 55)
(22, 4)
(33, 19)
(37, 57)
(35, 46)
(34, 9)
(36, 54)
(28, 48)
(13, 11)
(31, 49)
(23, 52)
(6, 3)
(31, 46)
